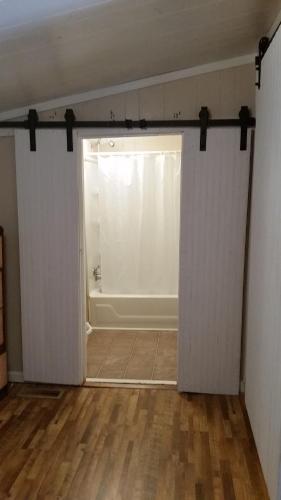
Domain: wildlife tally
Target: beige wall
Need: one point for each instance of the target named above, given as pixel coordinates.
(131, 144)
(222, 91)
(9, 220)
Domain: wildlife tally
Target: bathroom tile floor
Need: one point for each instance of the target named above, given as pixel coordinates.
(136, 355)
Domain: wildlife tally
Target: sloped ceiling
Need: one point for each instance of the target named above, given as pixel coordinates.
(53, 48)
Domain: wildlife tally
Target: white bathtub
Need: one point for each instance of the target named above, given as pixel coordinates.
(133, 311)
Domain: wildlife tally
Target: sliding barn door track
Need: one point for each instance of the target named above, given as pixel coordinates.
(244, 121)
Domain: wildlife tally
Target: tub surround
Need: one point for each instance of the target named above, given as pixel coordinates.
(133, 311)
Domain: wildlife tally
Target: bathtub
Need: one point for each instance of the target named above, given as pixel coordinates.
(133, 311)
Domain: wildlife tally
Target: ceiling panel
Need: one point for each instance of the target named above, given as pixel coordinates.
(59, 47)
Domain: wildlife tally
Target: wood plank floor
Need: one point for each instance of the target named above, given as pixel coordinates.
(127, 444)
(137, 355)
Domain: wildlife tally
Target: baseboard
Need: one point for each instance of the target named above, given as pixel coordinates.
(3, 392)
(15, 376)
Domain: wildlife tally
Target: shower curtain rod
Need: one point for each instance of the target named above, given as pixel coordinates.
(131, 152)
(32, 123)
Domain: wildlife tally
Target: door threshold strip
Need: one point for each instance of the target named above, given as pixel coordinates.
(130, 383)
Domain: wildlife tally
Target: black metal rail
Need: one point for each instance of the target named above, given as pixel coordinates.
(245, 121)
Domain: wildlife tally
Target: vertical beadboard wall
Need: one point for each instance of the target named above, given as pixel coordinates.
(213, 227)
(48, 210)
(263, 350)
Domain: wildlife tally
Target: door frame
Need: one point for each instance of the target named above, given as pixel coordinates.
(99, 134)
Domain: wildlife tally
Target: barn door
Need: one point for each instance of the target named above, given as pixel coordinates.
(48, 209)
(213, 227)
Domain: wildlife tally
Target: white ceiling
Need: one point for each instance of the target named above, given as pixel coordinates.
(52, 48)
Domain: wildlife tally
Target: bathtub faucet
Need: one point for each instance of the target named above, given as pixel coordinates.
(97, 273)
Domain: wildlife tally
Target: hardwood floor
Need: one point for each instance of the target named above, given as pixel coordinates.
(137, 355)
(127, 444)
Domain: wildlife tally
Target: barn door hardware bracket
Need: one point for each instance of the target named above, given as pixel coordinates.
(69, 117)
(129, 124)
(204, 117)
(31, 124)
(143, 123)
(263, 46)
(245, 118)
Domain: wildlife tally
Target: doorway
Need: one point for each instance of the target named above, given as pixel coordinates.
(131, 226)
(214, 186)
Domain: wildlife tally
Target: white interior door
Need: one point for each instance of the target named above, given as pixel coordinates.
(214, 197)
(48, 209)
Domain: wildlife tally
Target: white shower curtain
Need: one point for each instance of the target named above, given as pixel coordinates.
(139, 197)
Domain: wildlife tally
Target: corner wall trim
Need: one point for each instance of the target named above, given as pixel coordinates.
(15, 376)
(129, 86)
(8, 132)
